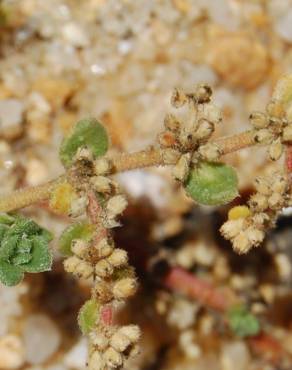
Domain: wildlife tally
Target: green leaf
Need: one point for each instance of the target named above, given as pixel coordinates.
(212, 183)
(3, 231)
(24, 226)
(80, 230)
(88, 316)
(10, 275)
(242, 322)
(6, 219)
(21, 258)
(23, 247)
(86, 133)
(23, 252)
(8, 246)
(41, 258)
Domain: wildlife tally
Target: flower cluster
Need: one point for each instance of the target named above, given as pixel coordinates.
(247, 225)
(98, 258)
(272, 128)
(110, 346)
(186, 134)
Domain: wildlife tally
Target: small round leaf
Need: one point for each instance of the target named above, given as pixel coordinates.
(86, 133)
(212, 184)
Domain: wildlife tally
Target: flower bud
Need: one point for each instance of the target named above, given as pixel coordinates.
(262, 186)
(131, 331)
(276, 150)
(84, 270)
(78, 206)
(171, 122)
(275, 201)
(275, 108)
(263, 136)
(116, 205)
(103, 292)
(258, 120)
(113, 358)
(79, 247)
(210, 152)
(104, 248)
(124, 288)
(241, 243)
(102, 166)
(279, 185)
(230, 229)
(103, 269)
(212, 113)
(71, 263)
(255, 236)
(99, 340)
(120, 342)
(203, 94)
(181, 169)
(170, 156)
(118, 258)
(205, 129)
(101, 184)
(287, 133)
(259, 202)
(95, 361)
(178, 98)
(83, 153)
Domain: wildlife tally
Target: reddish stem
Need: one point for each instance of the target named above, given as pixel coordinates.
(106, 314)
(184, 282)
(288, 159)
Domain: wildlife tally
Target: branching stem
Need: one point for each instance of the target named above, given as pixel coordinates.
(121, 162)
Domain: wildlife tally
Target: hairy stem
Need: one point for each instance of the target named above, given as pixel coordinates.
(121, 162)
(24, 197)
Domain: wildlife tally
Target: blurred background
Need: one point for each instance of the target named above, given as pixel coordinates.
(119, 60)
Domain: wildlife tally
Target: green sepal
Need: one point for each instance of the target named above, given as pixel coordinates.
(88, 316)
(10, 275)
(86, 133)
(80, 230)
(212, 184)
(242, 322)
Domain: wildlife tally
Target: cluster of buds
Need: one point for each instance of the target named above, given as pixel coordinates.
(246, 226)
(272, 128)
(79, 264)
(110, 347)
(113, 279)
(185, 140)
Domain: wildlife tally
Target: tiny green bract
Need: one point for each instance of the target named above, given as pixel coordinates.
(212, 183)
(79, 230)
(88, 315)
